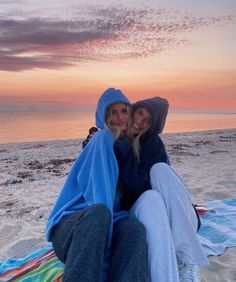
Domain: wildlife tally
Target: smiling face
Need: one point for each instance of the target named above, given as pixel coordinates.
(119, 115)
(141, 120)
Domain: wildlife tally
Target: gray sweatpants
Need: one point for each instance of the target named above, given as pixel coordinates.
(171, 224)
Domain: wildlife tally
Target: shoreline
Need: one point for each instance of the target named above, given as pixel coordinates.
(162, 134)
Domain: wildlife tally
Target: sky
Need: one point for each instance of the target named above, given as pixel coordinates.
(61, 55)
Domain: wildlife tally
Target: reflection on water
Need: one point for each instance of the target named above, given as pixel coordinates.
(35, 126)
(178, 122)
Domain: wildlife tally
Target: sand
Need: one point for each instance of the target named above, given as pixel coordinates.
(31, 176)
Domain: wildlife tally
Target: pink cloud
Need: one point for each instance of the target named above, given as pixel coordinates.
(102, 34)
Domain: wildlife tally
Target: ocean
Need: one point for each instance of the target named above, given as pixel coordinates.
(42, 126)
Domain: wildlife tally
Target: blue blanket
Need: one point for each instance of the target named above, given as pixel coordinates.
(218, 230)
(92, 180)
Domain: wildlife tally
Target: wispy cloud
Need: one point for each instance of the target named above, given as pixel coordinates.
(94, 34)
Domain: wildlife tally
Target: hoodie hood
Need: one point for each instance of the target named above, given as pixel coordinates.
(110, 96)
(158, 107)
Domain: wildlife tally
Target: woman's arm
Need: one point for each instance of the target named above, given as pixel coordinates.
(153, 151)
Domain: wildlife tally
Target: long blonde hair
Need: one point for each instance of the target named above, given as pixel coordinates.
(116, 131)
(135, 140)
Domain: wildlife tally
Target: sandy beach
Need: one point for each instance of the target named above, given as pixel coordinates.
(31, 176)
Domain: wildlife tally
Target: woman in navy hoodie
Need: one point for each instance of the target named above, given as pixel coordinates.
(162, 204)
(86, 226)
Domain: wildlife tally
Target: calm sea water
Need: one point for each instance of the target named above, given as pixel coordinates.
(39, 126)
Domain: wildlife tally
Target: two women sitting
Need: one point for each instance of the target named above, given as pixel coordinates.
(123, 213)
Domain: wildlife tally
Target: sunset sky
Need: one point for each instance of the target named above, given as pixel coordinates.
(60, 55)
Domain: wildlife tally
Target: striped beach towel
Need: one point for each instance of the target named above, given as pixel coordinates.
(41, 265)
(218, 229)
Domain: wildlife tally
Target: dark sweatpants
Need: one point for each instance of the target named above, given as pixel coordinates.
(80, 241)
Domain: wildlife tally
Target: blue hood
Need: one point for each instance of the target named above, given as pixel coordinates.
(93, 176)
(110, 96)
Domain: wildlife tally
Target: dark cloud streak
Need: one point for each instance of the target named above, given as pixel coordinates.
(101, 34)
(10, 63)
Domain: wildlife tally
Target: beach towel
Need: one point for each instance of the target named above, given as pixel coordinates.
(218, 228)
(217, 232)
(41, 265)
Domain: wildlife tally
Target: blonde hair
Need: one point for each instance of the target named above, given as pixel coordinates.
(116, 131)
(135, 140)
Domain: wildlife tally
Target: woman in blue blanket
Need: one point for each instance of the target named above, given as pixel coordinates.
(87, 228)
(161, 201)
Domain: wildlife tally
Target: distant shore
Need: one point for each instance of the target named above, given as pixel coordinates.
(32, 174)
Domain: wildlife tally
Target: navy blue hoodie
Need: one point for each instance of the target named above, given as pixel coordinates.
(152, 148)
(134, 176)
